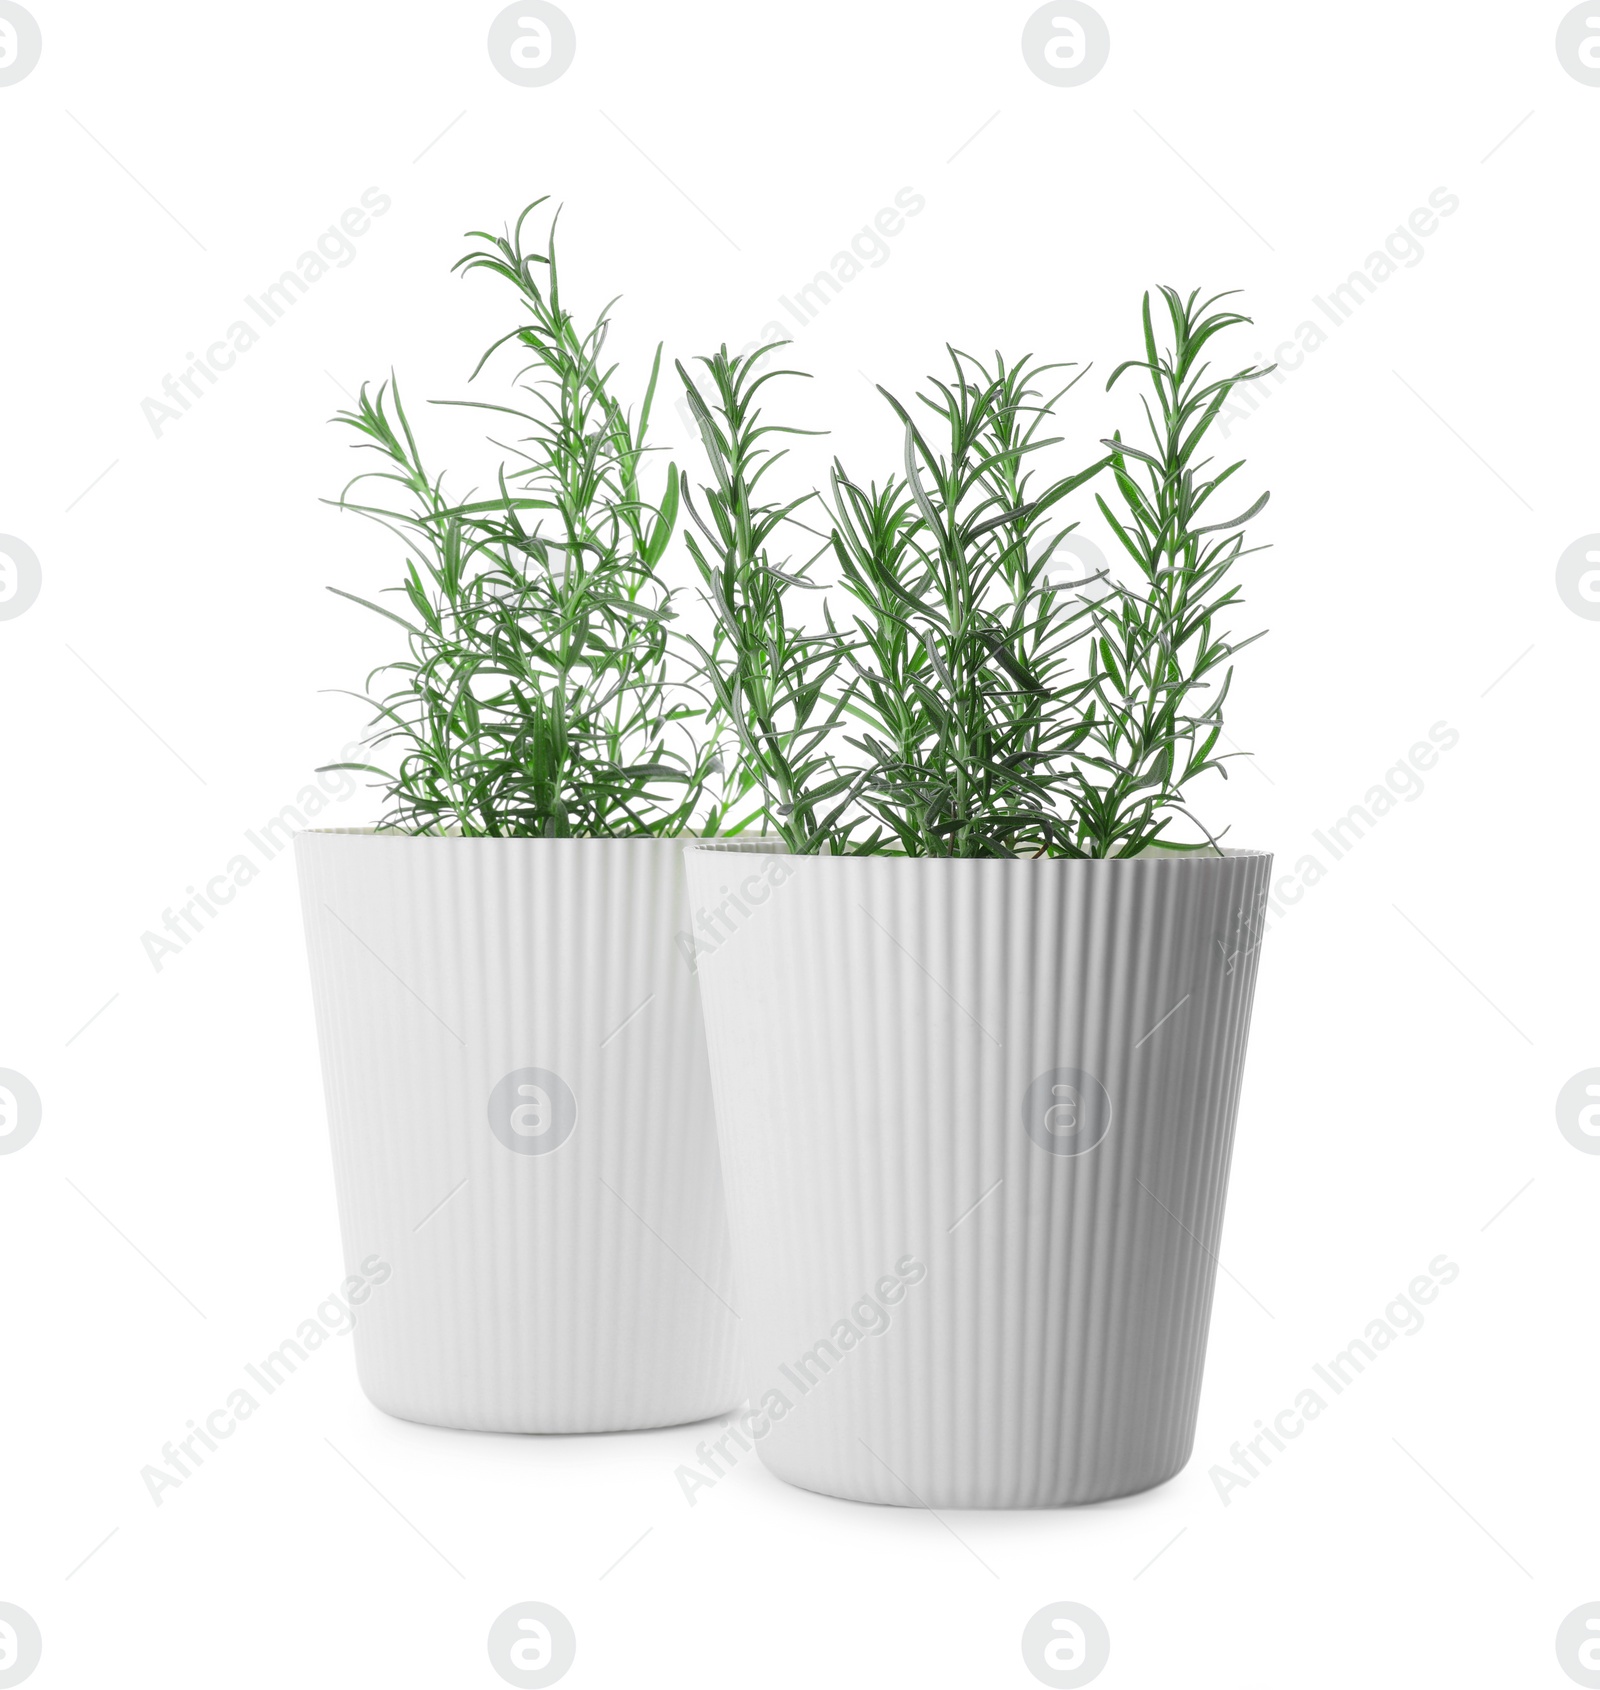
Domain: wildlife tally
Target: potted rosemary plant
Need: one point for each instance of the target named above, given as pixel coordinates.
(976, 1040)
(512, 1050)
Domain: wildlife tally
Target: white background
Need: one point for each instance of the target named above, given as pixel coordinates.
(1418, 1010)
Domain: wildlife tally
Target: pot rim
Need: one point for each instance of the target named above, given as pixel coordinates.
(456, 837)
(1145, 858)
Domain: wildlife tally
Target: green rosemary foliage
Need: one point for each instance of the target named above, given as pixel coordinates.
(544, 692)
(1159, 666)
(770, 678)
(975, 703)
(961, 670)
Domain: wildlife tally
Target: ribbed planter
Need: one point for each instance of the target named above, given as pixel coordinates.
(522, 1130)
(976, 1120)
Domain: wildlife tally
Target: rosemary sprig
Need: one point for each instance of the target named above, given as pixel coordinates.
(544, 692)
(1159, 666)
(960, 674)
(771, 679)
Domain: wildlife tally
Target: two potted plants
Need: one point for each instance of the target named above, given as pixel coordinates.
(975, 1019)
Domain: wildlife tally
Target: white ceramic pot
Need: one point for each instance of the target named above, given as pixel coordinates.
(522, 1129)
(976, 1119)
